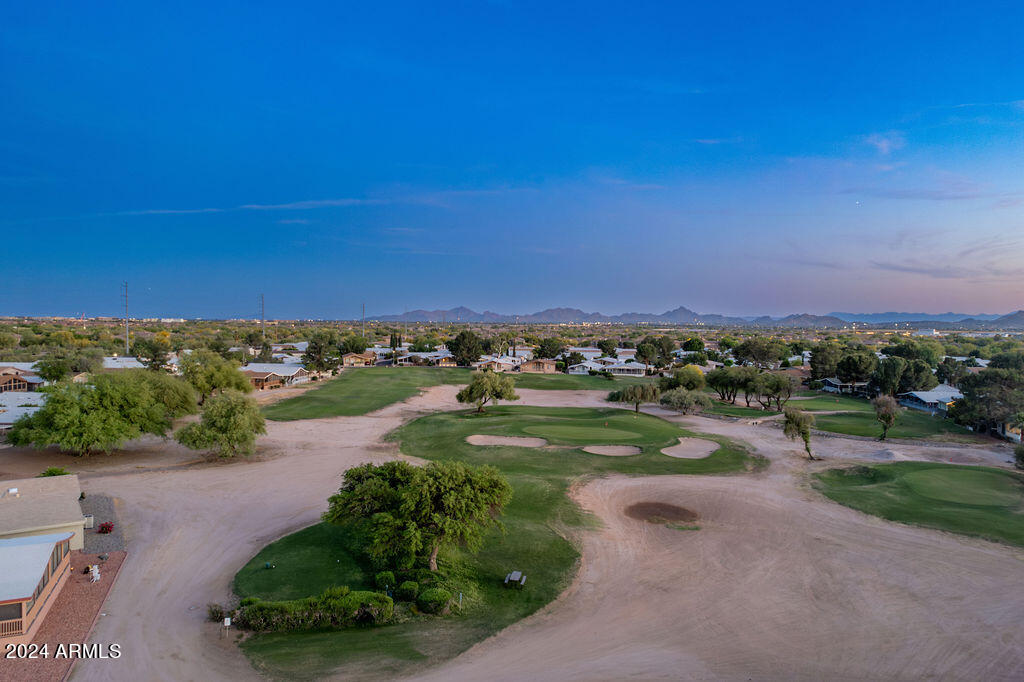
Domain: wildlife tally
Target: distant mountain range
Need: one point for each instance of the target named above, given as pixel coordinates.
(685, 316)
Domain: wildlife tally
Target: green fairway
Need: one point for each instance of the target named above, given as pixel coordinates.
(577, 382)
(824, 402)
(910, 424)
(738, 410)
(583, 435)
(538, 520)
(361, 390)
(978, 501)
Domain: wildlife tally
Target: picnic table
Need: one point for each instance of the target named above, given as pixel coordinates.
(515, 579)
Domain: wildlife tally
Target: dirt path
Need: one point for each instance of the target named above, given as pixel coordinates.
(777, 583)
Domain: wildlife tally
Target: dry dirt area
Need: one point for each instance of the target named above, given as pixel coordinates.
(518, 441)
(691, 448)
(612, 450)
(778, 583)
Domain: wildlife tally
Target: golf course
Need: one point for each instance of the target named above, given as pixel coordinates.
(979, 501)
(541, 525)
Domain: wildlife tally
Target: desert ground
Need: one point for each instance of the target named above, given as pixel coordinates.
(778, 582)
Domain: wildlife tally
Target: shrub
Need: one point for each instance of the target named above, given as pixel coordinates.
(106, 527)
(434, 600)
(337, 607)
(407, 591)
(686, 401)
(1018, 456)
(384, 580)
(215, 612)
(53, 471)
(248, 601)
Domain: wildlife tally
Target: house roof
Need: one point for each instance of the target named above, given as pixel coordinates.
(122, 362)
(279, 369)
(23, 366)
(40, 503)
(943, 393)
(23, 562)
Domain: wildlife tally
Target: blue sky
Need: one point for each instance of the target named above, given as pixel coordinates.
(750, 158)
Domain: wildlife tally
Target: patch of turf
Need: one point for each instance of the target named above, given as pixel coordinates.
(537, 521)
(361, 390)
(978, 501)
(828, 403)
(580, 435)
(910, 424)
(577, 382)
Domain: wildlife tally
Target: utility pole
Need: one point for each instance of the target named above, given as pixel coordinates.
(126, 350)
(364, 321)
(263, 322)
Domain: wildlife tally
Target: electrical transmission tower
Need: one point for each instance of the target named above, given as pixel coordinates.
(125, 296)
(263, 321)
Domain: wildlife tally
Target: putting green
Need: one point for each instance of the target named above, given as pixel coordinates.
(581, 434)
(965, 486)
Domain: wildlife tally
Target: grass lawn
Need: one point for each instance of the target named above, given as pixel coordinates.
(577, 382)
(829, 403)
(537, 520)
(358, 391)
(979, 501)
(362, 390)
(910, 424)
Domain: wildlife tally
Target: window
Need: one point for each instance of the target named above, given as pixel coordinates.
(10, 611)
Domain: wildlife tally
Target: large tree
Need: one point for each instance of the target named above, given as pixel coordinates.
(551, 347)
(825, 359)
(466, 348)
(686, 401)
(951, 372)
(229, 426)
(607, 346)
(635, 395)
(97, 417)
(409, 514)
(322, 351)
(689, 377)
(856, 366)
(487, 387)
(918, 376)
(772, 388)
(152, 352)
(888, 374)
(209, 373)
(797, 424)
(354, 343)
(991, 397)
(760, 351)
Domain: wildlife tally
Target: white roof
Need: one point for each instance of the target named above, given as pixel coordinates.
(943, 393)
(273, 367)
(122, 362)
(23, 562)
(23, 366)
(588, 364)
(297, 345)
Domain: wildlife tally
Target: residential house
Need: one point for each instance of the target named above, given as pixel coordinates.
(586, 367)
(539, 366)
(33, 570)
(834, 385)
(16, 404)
(293, 346)
(358, 359)
(935, 401)
(638, 369)
(587, 352)
(502, 363)
(16, 379)
(264, 375)
(121, 362)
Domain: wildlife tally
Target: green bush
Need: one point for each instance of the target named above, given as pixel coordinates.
(407, 591)
(433, 600)
(1018, 456)
(337, 607)
(384, 580)
(248, 601)
(53, 471)
(215, 612)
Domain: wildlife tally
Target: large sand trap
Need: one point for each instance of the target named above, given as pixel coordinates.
(613, 450)
(691, 448)
(518, 441)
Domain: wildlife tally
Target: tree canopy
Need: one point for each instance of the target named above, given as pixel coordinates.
(487, 387)
(466, 348)
(229, 426)
(635, 395)
(208, 373)
(322, 351)
(407, 515)
(797, 424)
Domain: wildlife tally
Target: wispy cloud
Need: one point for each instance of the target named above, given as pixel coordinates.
(712, 141)
(886, 143)
(294, 221)
(312, 203)
(170, 211)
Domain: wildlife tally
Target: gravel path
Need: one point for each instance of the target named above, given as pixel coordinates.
(103, 508)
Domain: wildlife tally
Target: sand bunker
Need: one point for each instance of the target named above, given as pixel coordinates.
(518, 441)
(613, 450)
(659, 512)
(691, 448)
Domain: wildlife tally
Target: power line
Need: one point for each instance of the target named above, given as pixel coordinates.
(126, 351)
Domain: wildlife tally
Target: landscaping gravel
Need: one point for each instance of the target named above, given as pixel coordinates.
(102, 508)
